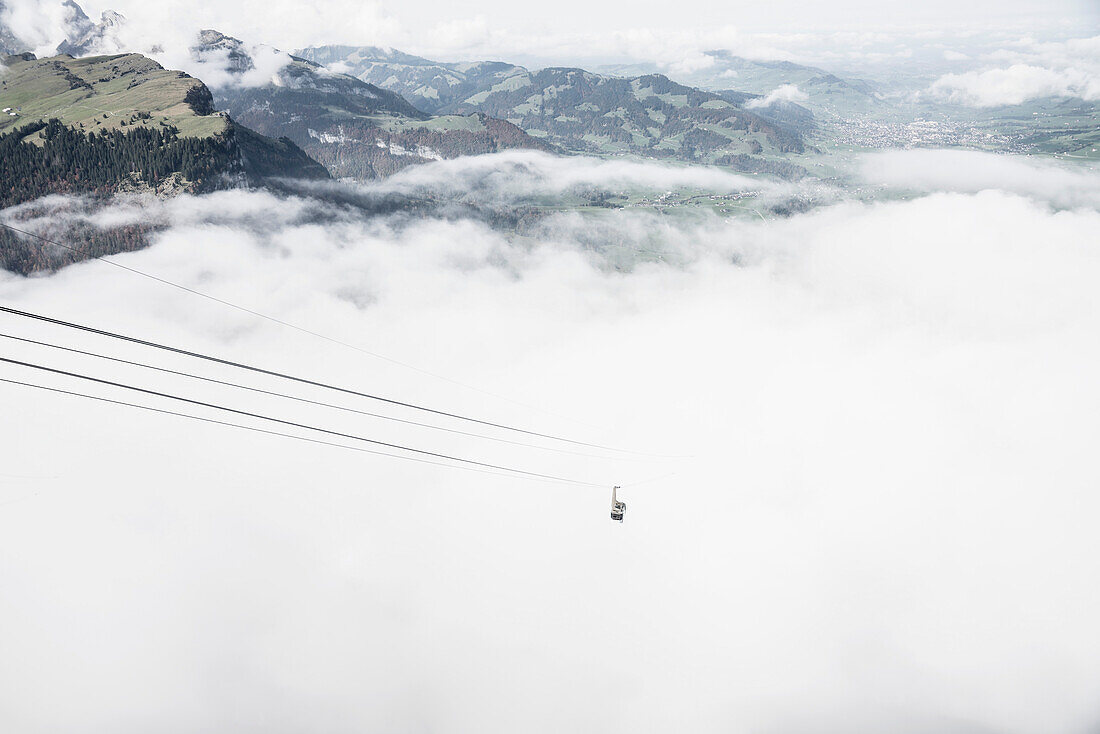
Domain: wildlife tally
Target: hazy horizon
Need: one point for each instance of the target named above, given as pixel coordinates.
(575, 35)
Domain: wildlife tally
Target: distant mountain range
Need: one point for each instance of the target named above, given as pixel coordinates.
(824, 93)
(355, 128)
(580, 111)
(365, 112)
(394, 109)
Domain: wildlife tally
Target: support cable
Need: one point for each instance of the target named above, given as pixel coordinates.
(165, 370)
(293, 424)
(254, 429)
(273, 319)
(304, 381)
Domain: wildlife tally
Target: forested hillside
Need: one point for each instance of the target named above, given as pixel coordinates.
(105, 125)
(67, 160)
(111, 122)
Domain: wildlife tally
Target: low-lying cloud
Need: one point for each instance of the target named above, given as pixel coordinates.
(518, 174)
(892, 406)
(1035, 70)
(1015, 85)
(1060, 184)
(784, 93)
(217, 70)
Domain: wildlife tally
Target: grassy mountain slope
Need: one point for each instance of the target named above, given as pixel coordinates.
(129, 92)
(104, 92)
(355, 128)
(585, 112)
(104, 125)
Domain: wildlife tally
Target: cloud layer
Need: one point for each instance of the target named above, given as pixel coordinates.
(1014, 85)
(964, 171)
(1057, 69)
(888, 525)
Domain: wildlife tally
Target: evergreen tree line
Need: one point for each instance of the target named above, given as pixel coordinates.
(72, 161)
(25, 255)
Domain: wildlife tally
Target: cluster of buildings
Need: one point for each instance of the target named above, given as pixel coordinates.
(920, 133)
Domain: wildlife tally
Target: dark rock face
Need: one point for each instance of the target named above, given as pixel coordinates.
(199, 99)
(16, 58)
(9, 43)
(78, 26)
(211, 42)
(85, 37)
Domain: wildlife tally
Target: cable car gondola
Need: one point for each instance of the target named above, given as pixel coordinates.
(617, 508)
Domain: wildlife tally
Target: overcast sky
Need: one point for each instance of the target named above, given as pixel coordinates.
(505, 27)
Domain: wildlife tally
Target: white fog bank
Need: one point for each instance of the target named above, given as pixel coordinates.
(890, 525)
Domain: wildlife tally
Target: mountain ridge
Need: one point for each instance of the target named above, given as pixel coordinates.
(825, 92)
(582, 111)
(355, 128)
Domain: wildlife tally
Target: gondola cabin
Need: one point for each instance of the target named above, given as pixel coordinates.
(617, 507)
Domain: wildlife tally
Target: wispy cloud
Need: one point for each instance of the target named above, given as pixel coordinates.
(1056, 183)
(784, 93)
